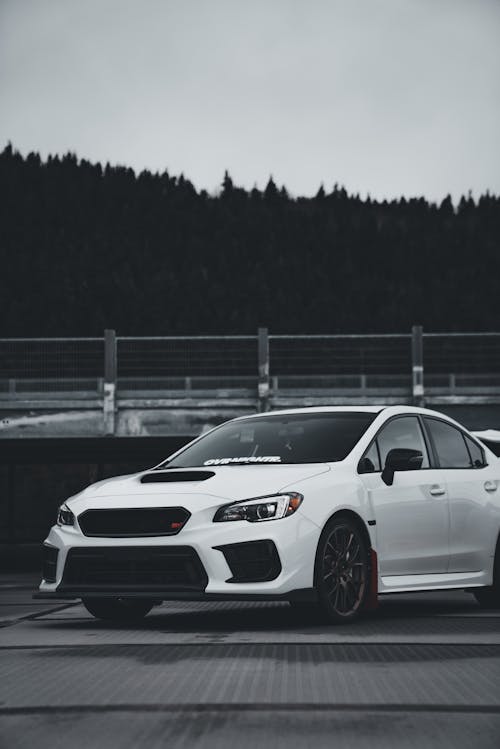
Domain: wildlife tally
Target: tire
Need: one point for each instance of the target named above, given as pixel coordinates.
(342, 573)
(489, 597)
(118, 609)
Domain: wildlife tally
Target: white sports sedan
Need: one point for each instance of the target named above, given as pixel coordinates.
(321, 507)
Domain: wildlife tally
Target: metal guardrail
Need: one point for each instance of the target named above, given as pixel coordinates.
(257, 366)
(237, 355)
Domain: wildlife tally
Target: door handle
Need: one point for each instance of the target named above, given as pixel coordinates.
(436, 490)
(490, 486)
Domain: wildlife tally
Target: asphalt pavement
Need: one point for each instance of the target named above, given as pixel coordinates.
(422, 671)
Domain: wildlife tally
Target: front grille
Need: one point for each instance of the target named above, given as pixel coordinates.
(49, 567)
(155, 568)
(133, 523)
(252, 561)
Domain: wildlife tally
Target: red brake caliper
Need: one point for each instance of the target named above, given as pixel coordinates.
(372, 597)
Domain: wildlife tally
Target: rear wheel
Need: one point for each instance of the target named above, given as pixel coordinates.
(342, 570)
(489, 597)
(118, 609)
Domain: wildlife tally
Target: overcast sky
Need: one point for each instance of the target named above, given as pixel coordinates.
(387, 97)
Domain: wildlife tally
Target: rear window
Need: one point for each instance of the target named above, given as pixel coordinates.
(475, 451)
(294, 438)
(450, 445)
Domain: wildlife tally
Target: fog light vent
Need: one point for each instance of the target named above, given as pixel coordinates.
(49, 568)
(252, 561)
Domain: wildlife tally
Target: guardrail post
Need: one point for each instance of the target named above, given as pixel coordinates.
(263, 385)
(109, 395)
(417, 360)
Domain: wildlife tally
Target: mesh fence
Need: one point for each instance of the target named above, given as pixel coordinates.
(51, 364)
(462, 353)
(340, 355)
(452, 362)
(187, 363)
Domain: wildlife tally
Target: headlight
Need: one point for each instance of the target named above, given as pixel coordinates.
(263, 508)
(65, 516)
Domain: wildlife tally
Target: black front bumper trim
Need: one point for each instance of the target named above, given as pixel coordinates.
(308, 595)
(252, 561)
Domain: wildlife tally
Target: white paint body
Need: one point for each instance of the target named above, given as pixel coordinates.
(434, 528)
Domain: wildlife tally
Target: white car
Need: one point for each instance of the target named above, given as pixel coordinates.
(322, 507)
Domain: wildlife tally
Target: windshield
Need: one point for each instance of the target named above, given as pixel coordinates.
(285, 439)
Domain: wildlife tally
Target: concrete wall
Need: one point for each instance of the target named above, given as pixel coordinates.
(185, 416)
(37, 475)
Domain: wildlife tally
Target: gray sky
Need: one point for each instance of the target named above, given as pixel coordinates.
(389, 97)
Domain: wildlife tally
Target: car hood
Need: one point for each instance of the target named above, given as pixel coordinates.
(229, 483)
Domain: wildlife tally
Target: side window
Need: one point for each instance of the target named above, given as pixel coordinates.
(450, 445)
(476, 453)
(403, 432)
(370, 462)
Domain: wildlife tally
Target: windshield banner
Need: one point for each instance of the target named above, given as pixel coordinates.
(258, 459)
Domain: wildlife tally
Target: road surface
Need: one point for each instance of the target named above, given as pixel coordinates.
(423, 671)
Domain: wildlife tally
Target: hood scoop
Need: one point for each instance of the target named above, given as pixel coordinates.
(167, 477)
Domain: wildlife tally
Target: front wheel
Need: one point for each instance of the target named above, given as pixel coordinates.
(342, 570)
(118, 609)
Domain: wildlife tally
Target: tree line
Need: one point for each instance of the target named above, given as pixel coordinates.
(85, 246)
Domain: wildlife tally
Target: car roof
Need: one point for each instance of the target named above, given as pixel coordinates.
(388, 410)
(315, 410)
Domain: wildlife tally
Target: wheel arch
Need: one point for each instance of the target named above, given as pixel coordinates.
(356, 517)
(371, 602)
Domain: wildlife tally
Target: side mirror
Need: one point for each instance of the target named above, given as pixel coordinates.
(400, 459)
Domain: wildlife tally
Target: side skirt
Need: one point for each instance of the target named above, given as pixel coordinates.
(444, 581)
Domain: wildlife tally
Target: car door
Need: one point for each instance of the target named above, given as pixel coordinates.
(472, 488)
(412, 516)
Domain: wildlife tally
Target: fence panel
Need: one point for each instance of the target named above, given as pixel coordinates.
(340, 354)
(462, 353)
(190, 363)
(51, 365)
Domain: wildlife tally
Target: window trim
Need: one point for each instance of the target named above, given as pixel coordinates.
(430, 452)
(464, 434)
(372, 442)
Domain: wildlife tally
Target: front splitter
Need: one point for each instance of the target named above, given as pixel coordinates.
(308, 595)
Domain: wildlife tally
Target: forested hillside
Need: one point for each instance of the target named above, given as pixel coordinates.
(83, 247)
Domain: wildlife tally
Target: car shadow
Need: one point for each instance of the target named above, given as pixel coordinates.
(404, 615)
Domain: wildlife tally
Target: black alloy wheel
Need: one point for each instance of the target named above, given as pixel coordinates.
(342, 570)
(118, 609)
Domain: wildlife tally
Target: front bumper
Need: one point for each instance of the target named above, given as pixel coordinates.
(294, 539)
